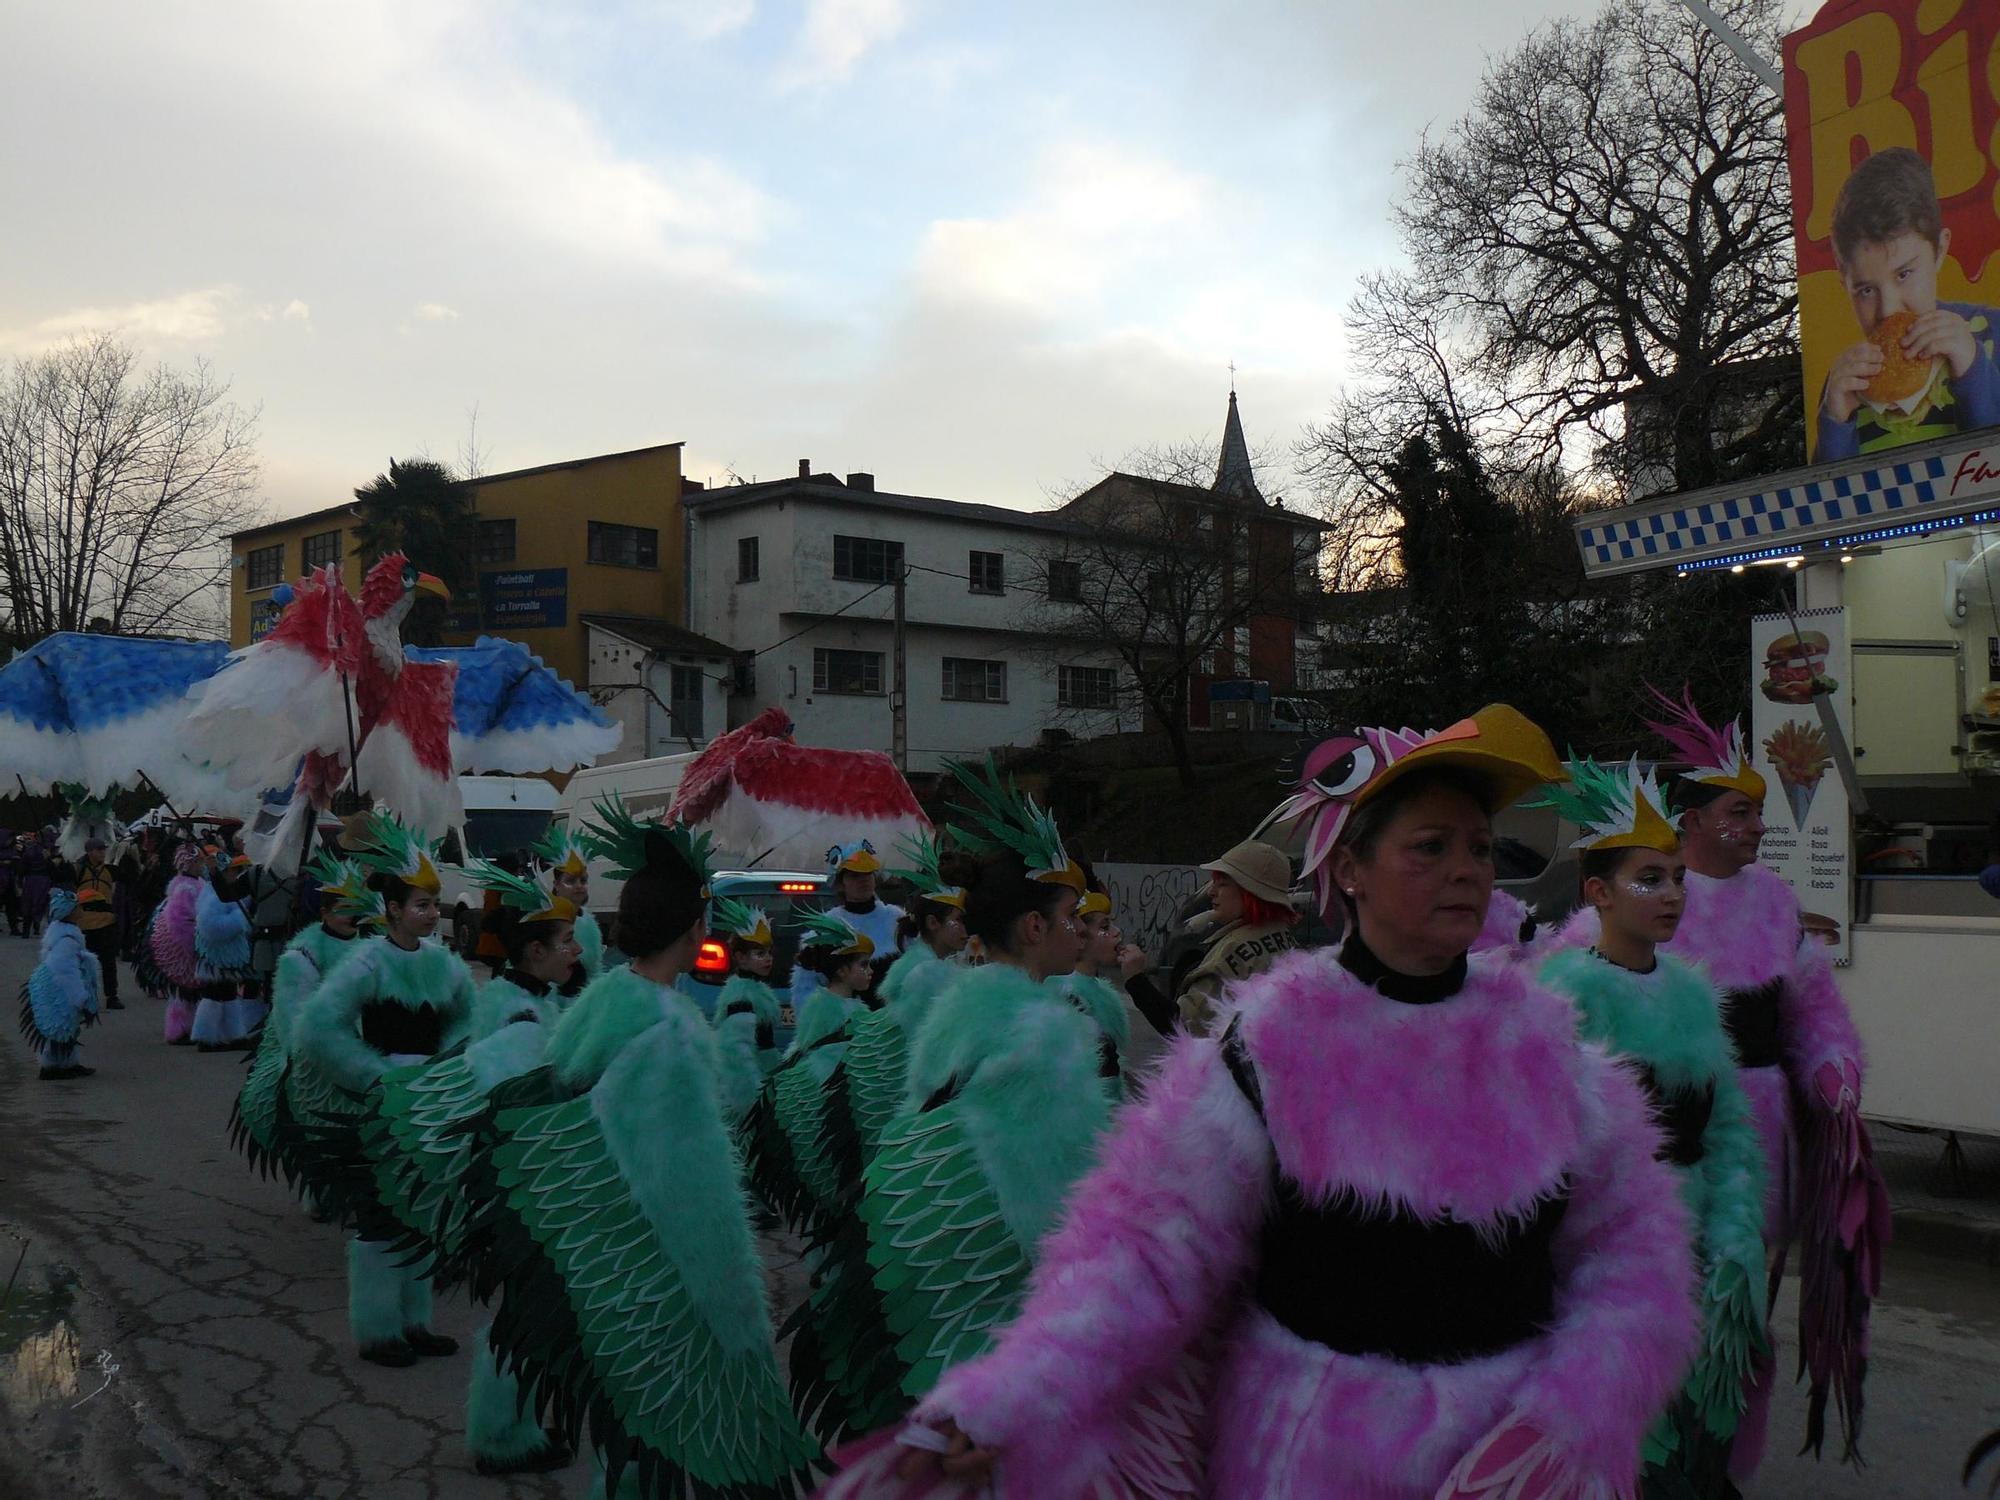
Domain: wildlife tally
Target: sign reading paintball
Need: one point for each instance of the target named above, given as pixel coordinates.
(1891, 108)
(1808, 837)
(525, 599)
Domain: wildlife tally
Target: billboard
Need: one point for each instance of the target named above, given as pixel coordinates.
(1891, 108)
(517, 599)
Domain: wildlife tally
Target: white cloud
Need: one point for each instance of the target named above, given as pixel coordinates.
(436, 312)
(705, 20)
(836, 35)
(296, 311)
(1094, 213)
(186, 318)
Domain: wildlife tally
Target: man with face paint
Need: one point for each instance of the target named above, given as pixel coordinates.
(1800, 1062)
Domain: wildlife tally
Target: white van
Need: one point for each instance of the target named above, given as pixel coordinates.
(503, 814)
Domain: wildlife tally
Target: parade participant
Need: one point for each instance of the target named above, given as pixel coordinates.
(690, 1395)
(308, 958)
(97, 915)
(568, 864)
(853, 869)
(1801, 1066)
(1421, 1225)
(61, 995)
(536, 929)
(931, 933)
(35, 883)
(168, 964)
(844, 961)
(396, 999)
(747, 1007)
(1093, 993)
(1248, 927)
(1662, 1014)
(228, 1012)
(1004, 1101)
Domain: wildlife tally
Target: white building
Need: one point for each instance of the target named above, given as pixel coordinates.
(669, 687)
(800, 572)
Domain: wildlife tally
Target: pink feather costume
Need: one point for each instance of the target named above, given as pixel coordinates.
(1480, 1107)
(1823, 1184)
(170, 945)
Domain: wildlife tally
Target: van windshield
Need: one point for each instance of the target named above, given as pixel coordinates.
(492, 832)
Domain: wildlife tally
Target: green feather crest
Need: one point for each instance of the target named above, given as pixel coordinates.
(332, 873)
(527, 894)
(1606, 802)
(353, 897)
(822, 929)
(386, 847)
(999, 816)
(739, 919)
(924, 873)
(614, 835)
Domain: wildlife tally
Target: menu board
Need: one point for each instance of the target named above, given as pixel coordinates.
(1796, 662)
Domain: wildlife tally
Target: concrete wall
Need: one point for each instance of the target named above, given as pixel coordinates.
(618, 669)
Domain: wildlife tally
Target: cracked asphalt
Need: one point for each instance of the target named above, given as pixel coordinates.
(203, 1351)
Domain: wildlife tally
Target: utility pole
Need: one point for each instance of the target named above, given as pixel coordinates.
(899, 701)
(1736, 42)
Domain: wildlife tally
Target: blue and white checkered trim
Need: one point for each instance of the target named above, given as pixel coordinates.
(1882, 494)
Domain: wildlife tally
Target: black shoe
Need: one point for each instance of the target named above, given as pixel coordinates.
(211, 1047)
(114, 1004)
(181, 1041)
(79, 1071)
(546, 1459)
(393, 1353)
(434, 1345)
(50, 1075)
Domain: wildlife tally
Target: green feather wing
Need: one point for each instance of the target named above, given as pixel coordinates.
(872, 1074)
(948, 1269)
(596, 1317)
(1733, 1339)
(253, 1118)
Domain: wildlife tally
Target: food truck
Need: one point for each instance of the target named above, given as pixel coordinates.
(1876, 688)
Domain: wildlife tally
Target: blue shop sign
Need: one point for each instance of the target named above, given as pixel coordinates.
(524, 599)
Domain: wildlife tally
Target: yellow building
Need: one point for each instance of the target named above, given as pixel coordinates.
(598, 536)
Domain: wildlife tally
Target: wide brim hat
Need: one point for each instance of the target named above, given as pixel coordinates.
(1259, 868)
(1499, 746)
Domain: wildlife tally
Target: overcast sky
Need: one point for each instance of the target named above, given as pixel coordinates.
(981, 250)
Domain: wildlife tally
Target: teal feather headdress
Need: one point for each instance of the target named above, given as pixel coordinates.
(1616, 807)
(924, 874)
(333, 873)
(614, 835)
(738, 919)
(533, 899)
(563, 851)
(1000, 817)
(825, 930)
(354, 898)
(383, 846)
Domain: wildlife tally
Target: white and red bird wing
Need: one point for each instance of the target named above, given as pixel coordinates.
(406, 759)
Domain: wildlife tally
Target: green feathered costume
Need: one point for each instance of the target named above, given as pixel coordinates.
(385, 1007)
(272, 1094)
(1104, 1003)
(590, 938)
(1667, 1022)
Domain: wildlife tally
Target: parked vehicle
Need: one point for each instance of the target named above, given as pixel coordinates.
(503, 814)
(777, 892)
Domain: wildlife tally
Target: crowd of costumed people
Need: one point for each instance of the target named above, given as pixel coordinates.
(1461, 1205)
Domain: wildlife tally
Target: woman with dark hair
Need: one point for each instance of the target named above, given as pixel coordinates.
(396, 1000)
(747, 1011)
(636, 1309)
(1248, 927)
(536, 930)
(932, 930)
(568, 863)
(844, 960)
(1094, 994)
(1663, 1015)
(1395, 1234)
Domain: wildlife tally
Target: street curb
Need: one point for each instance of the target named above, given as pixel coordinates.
(1955, 1235)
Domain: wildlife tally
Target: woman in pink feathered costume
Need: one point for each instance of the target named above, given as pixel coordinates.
(1412, 1223)
(1800, 1061)
(169, 962)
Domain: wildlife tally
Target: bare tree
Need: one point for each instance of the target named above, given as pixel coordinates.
(1163, 572)
(472, 459)
(1612, 219)
(118, 490)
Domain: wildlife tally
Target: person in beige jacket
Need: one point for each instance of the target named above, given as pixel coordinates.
(1249, 923)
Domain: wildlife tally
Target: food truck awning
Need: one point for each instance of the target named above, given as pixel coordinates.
(1925, 487)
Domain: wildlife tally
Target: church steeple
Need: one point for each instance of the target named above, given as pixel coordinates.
(1234, 479)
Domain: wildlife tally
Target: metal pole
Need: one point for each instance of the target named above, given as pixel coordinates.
(899, 704)
(1735, 41)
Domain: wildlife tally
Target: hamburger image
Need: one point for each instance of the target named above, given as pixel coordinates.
(1902, 379)
(1795, 668)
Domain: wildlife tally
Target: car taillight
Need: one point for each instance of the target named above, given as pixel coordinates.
(798, 887)
(713, 958)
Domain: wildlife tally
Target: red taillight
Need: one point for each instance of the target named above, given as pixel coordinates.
(798, 887)
(712, 959)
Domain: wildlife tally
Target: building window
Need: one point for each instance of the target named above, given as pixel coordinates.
(970, 680)
(1066, 582)
(866, 559)
(1086, 687)
(988, 573)
(846, 671)
(624, 546)
(320, 551)
(264, 567)
(684, 700)
(746, 559)
(496, 541)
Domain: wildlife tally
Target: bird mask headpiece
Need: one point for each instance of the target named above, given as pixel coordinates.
(827, 931)
(923, 874)
(383, 846)
(526, 894)
(562, 850)
(857, 858)
(1616, 807)
(739, 921)
(999, 817)
(1715, 755)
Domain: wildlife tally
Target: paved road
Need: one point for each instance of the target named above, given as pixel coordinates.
(221, 1307)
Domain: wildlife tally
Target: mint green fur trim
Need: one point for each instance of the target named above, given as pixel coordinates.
(590, 938)
(496, 1429)
(1029, 1096)
(821, 1016)
(1107, 1007)
(499, 999)
(738, 1032)
(328, 1033)
(611, 1011)
(307, 960)
(374, 1292)
(416, 1299)
(925, 980)
(758, 993)
(661, 1120)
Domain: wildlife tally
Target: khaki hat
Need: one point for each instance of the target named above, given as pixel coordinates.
(1259, 868)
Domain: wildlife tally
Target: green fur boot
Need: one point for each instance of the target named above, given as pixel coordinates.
(499, 1435)
(375, 1304)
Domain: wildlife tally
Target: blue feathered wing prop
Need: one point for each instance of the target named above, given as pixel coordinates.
(512, 713)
